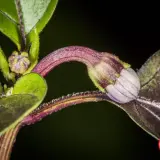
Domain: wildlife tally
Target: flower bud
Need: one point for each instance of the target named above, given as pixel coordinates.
(19, 63)
(116, 78)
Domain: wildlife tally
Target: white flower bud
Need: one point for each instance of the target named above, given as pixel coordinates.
(126, 87)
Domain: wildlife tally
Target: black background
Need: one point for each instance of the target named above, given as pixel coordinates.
(94, 130)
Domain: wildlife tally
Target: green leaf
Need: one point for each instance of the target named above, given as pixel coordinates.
(27, 94)
(9, 28)
(149, 75)
(47, 15)
(149, 68)
(13, 109)
(8, 8)
(35, 13)
(31, 83)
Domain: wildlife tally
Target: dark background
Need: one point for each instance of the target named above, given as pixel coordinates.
(94, 130)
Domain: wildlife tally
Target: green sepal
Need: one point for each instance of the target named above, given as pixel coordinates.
(33, 45)
(4, 67)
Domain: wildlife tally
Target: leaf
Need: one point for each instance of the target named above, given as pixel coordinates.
(31, 83)
(28, 92)
(8, 8)
(13, 109)
(9, 28)
(145, 116)
(35, 13)
(149, 75)
(145, 111)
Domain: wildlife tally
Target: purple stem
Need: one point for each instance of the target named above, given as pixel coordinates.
(72, 53)
(64, 102)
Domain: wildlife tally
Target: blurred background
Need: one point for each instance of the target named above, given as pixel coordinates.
(93, 130)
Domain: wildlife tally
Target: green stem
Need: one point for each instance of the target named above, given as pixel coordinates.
(21, 24)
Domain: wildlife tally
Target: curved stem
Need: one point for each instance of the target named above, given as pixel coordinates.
(7, 140)
(103, 68)
(72, 53)
(61, 103)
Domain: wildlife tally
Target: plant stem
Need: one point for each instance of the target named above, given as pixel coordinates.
(21, 24)
(103, 68)
(63, 102)
(72, 53)
(6, 142)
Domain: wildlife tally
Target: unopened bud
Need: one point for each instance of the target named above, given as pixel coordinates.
(116, 78)
(19, 63)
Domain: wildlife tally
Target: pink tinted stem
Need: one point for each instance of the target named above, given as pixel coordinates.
(64, 102)
(7, 141)
(72, 53)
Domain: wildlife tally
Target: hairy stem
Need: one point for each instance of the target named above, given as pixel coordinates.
(6, 142)
(63, 102)
(72, 53)
(103, 68)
